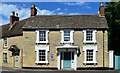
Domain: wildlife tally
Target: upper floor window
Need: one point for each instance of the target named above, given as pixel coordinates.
(67, 36)
(89, 36)
(42, 36)
(5, 42)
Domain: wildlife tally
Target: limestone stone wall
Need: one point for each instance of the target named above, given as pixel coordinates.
(27, 42)
(1, 52)
(54, 40)
(18, 41)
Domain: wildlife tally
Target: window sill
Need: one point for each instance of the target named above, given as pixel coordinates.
(41, 42)
(5, 46)
(90, 62)
(87, 42)
(66, 42)
(41, 62)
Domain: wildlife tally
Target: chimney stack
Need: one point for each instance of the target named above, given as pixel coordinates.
(13, 17)
(101, 10)
(33, 10)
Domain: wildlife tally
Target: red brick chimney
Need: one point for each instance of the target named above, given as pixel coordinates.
(13, 17)
(33, 10)
(101, 9)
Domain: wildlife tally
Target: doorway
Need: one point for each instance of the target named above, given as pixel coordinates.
(16, 61)
(67, 59)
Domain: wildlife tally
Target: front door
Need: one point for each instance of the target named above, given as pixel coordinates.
(16, 61)
(67, 59)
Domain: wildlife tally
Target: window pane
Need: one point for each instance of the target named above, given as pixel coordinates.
(42, 35)
(66, 38)
(72, 55)
(5, 41)
(5, 57)
(42, 55)
(66, 35)
(89, 55)
(89, 35)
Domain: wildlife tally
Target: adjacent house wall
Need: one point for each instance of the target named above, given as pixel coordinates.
(18, 41)
(0, 53)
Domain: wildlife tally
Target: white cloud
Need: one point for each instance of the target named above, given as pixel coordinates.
(75, 3)
(57, 0)
(88, 7)
(7, 9)
(4, 21)
(60, 13)
(58, 9)
(22, 12)
(82, 4)
(44, 12)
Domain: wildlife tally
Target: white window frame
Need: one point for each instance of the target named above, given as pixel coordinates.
(37, 37)
(4, 57)
(4, 42)
(71, 36)
(90, 47)
(40, 47)
(93, 36)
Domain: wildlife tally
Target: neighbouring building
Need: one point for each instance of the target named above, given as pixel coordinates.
(56, 41)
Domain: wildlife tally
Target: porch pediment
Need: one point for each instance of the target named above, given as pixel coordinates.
(67, 46)
(14, 49)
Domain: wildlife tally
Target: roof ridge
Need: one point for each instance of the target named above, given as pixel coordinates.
(67, 15)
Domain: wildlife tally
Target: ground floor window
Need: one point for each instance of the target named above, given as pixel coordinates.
(89, 54)
(5, 57)
(41, 54)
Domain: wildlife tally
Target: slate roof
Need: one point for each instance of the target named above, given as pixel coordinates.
(66, 21)
(54, 22)
(15, 30)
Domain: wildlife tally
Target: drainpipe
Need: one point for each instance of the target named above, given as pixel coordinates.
(21, 58)
(103, 48)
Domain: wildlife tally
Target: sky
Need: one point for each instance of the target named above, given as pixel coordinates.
(46, 8)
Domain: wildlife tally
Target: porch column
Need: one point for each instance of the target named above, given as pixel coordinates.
(75, 60)
(58, 59)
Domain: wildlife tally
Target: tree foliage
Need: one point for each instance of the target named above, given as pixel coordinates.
(112, 12)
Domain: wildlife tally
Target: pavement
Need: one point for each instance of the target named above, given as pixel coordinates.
(93, 71)
(14, 70)
(59, 71)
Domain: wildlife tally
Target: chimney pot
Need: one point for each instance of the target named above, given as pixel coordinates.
(33, 6)
(101, 4)
(13, 13)
(16, 14)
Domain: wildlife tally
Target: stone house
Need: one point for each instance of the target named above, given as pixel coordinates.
(56, 41)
